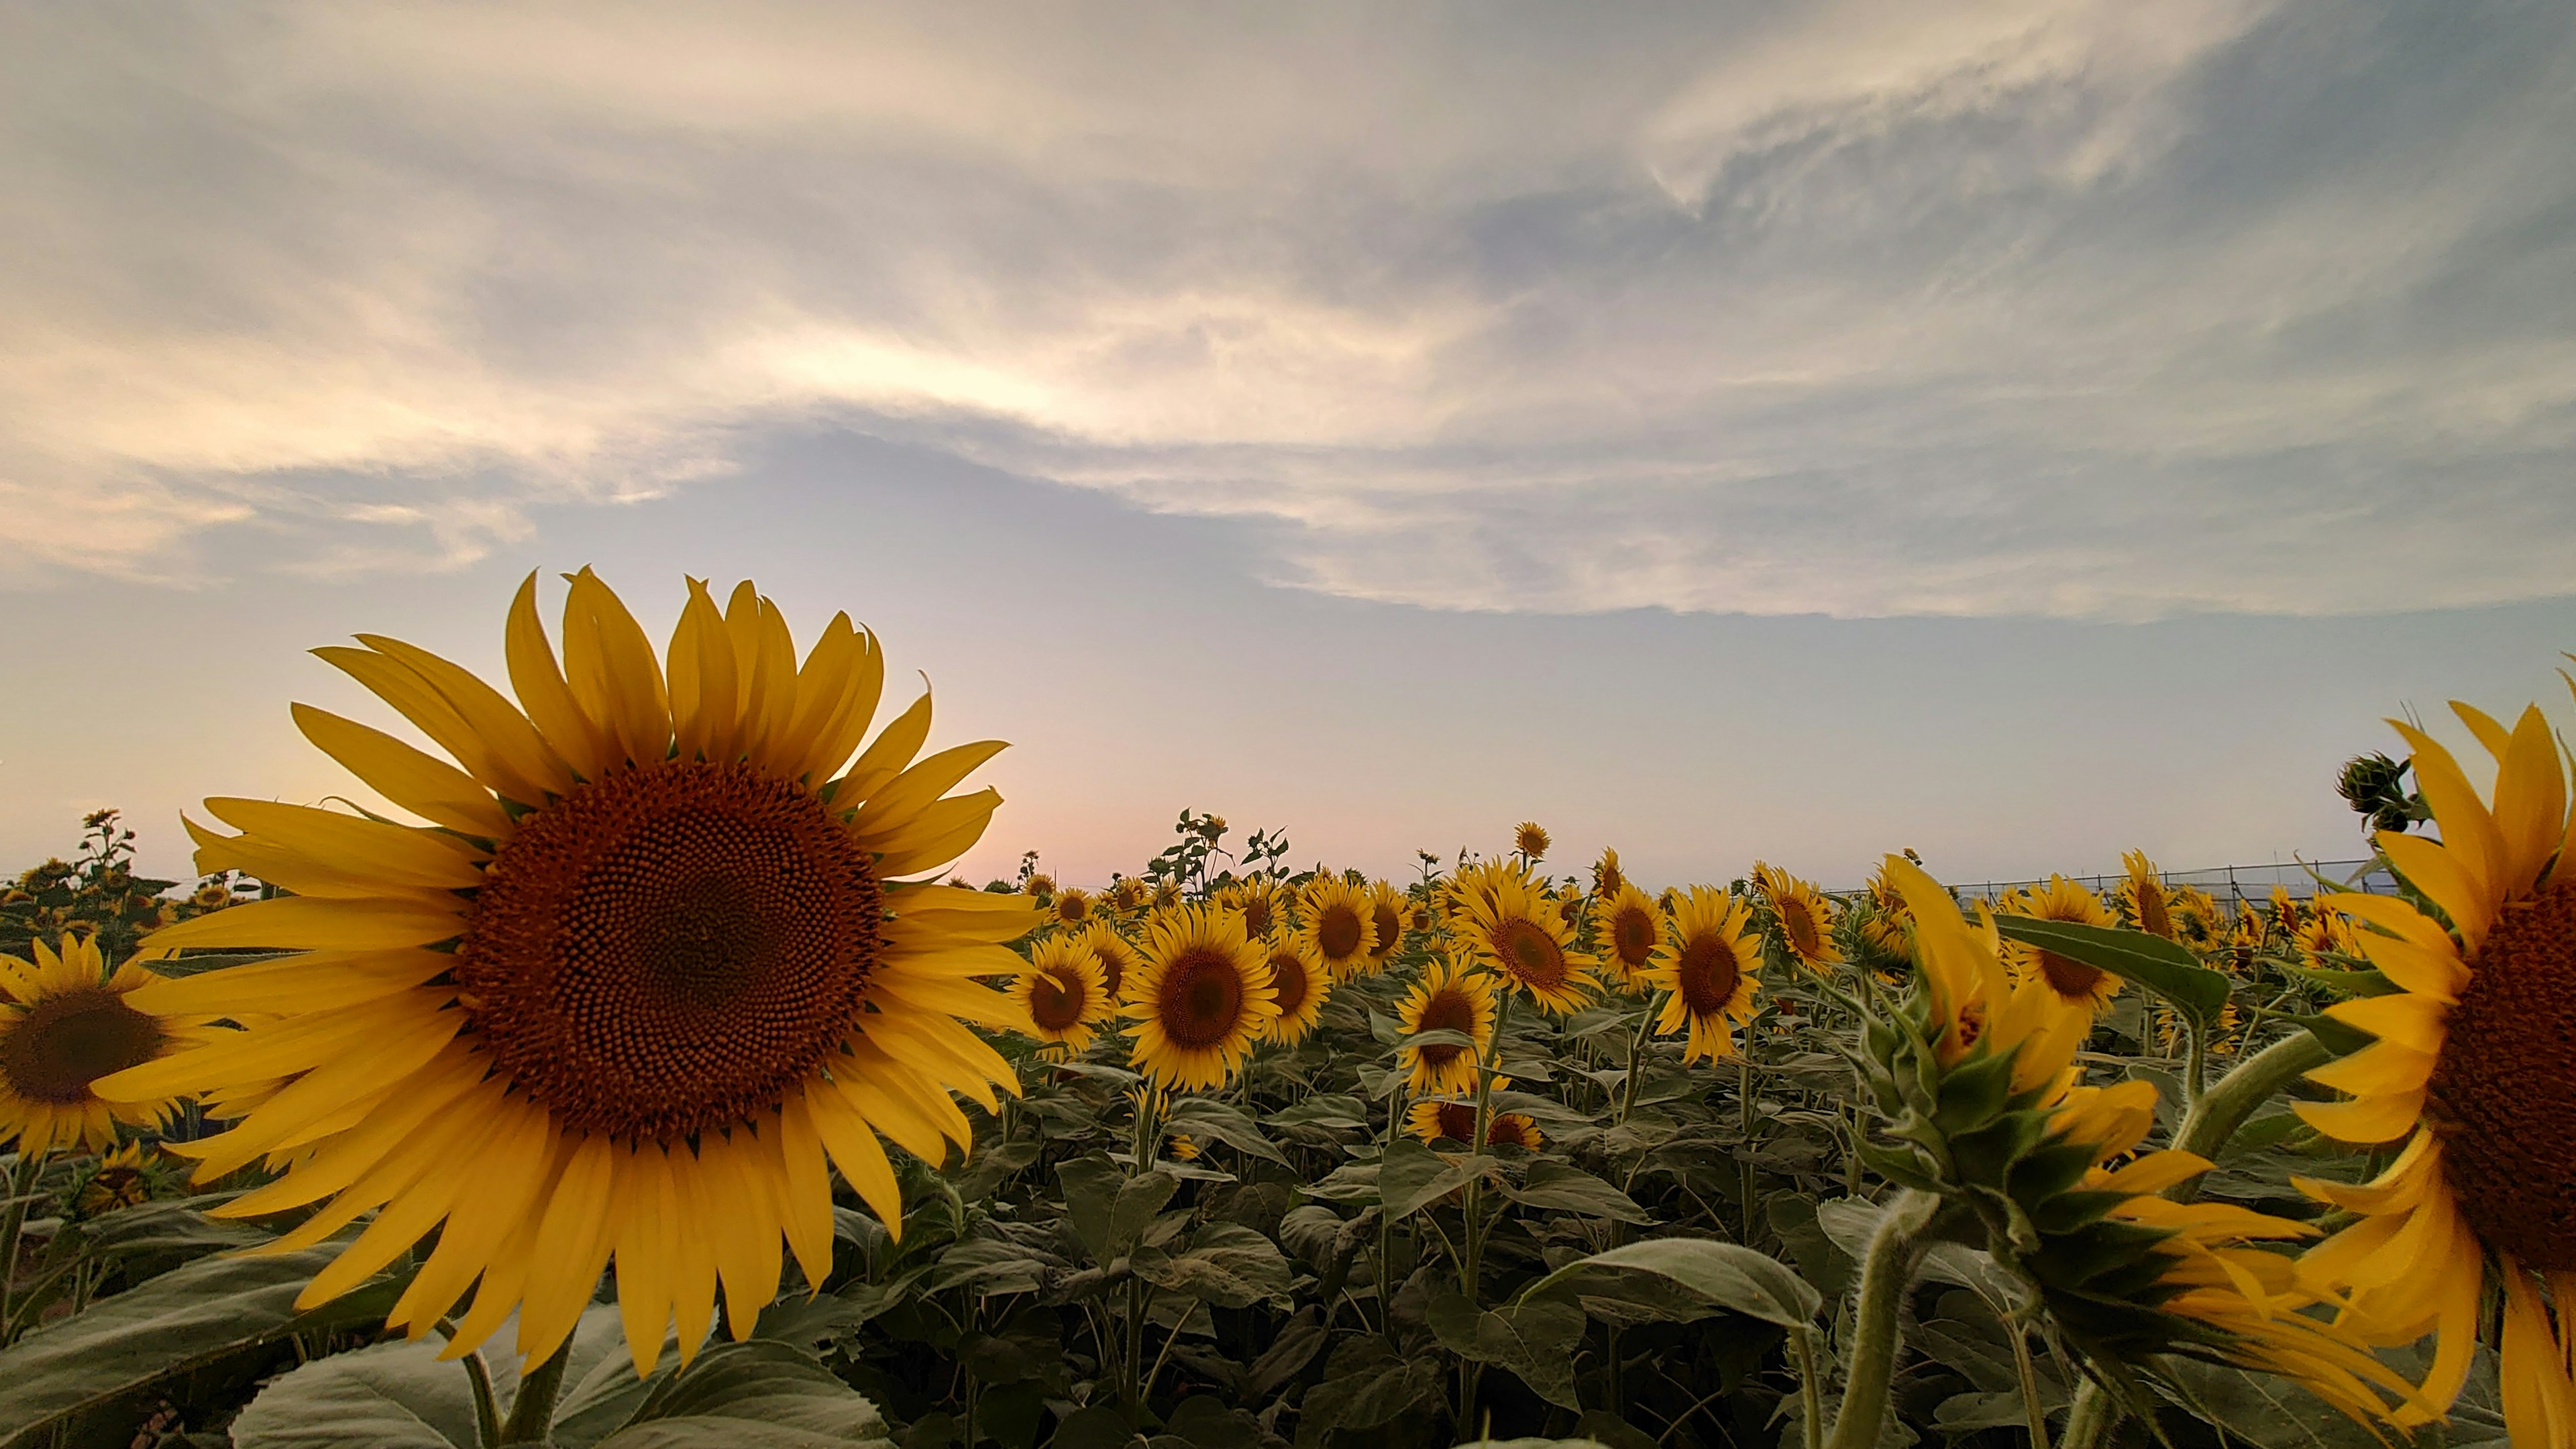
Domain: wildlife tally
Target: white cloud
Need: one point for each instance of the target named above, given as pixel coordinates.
(2035, 307)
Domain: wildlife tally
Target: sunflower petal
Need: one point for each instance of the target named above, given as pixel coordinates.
(611, 668)
(505, 734)
(579, 737)
(2530, 803)
(2468, 829)
(421, 783)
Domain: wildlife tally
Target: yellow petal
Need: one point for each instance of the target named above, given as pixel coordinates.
(2415, 1022)
(291, 923)
(497, 724)
(574, 1239)
(894, 748)
(853, 1145)
(582, 740)
(2367, 1119)
(426, 786)
(396, 854)
(706, 692)
(2468, 830)
(2380, 1068)
(940, 834)
(2530, 804)
(882, 820)
(612, 670)
(822, 691)
(644, 1254)
(856, 711)
(2439, 873)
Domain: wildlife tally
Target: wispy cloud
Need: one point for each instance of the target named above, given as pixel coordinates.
(2062, 308)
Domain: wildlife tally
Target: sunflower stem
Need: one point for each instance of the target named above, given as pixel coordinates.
(1744, 1129)
(2214, 1118)
(1894, 1252)
(2033, 1413)
(1471, 1261)
(2090, 1422)
(532, 1413)
(478, 1374)
(23, 1177)
(1637, 1044)
(1811, 1394)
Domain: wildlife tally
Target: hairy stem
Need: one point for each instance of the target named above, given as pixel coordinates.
(532, 1414)
(2090, 1422)
(1894, 1251)
(1811, 1394)
(13, 1221)
(2214, 1118)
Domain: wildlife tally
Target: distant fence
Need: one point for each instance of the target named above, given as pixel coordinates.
(2232, 882)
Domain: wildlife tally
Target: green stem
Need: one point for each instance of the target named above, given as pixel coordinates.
(478, 1374)
(1471, 1261)
(1894, 1251)
(532, 1414)
(13, 1221)
(1637, 1057)
(2222, 1109)
(2090, 1422)
(1744, 1120)
(2033, 1413)
(1811, 1394)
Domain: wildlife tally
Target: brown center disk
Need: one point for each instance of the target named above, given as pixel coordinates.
(1799, 924)
(1257, 915)
(1202, 999)
(2071, 979)
(1055, 1000)
(1707, 973)
(1339, 933)
(67, 1041)
(1390, 931)
(1632, 936)
(2153, 918)
(1288, 979)
(1446, 1011)
(1457, 1121)
(1532, 958)
(671, 948)
(1113, 968)
(2503, 1094)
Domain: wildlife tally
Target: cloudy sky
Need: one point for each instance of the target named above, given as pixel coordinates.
(2015, 430)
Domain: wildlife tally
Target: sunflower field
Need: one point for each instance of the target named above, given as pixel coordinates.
(650, 1083)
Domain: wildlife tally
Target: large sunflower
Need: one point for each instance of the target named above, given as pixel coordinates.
(2088, 988)
(1202, 997)
(1626, 929)
(1338, 924)
(1805, 915)
(1299, 983)
(648, 967)
(1063, 993)
(2475, 1070)
(1707, 960)
(66, 1022)
(1518, 933)
(1447, 998)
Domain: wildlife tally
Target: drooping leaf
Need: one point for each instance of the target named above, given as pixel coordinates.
(2161, 966)
(1701, 1274)
(1535, 1340)
(1555, 1186)
(1226, 1123)
(1412, 1176)
(1109, 1209)
(1226, 1264)
(755, 1395)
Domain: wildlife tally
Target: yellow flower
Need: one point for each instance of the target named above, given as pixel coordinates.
(1337, 925)
(118, 1181)
(1183, 1147)
(1202, 998)
(650, 966)
(1117, 958)
(1071, 907)
(1127, 893)
(2087, 988)
(1805, 916)
(1606, 875)
(1445, 999)
(1477, 881)
(1975, 1008)
(1257, 901)
(66, 1023)
(1387, 914)
(1519, 934)
(2473, 1072)
(2144, 898)
(1435, 1119)
(1627, 929)
(1167, 894)
(1039, 884)
(1299, 984)
(1707, 959)
(1063, 993)
(1531, 840)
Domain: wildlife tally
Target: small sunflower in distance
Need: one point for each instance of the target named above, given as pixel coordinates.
(1388, 914)
(2079, 986)
(66, 1022)
(1127, 893)
(1519, 934)
(1530, 840)
(2144, 897)
(1071, 907)
(1707, 959)
(1299, 984)
(1166, 894)
(1257, 900)
(1626, 929)
(1202, 997)
(1118, 959)
(1063, 993)
(1445, 999)
(1438, 1119)
(1805, 916)
(651, 967)
(1606, 876)
(2473, 1073)
(1039, 884)
(1338, 925)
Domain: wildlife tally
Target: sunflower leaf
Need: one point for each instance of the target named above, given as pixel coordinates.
(1555, 1186)
(1109, 1209)
(2161, 966)
(1534, 1340)
(756, 1395)
(1412, 1177)
(1698, 1275)
(1226, 1123)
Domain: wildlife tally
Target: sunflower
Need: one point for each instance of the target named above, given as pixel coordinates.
(1889, 927)
(1606, 876)
(1127, 893)
(1972, 1007)
(1626, 929)
(2325, 934)
(648, 968)
(65, 1023)
(1039, 884)
(1476, 881)
(2144, 898)
(1063, 992)
(1707, 960)
(1387, 913)
(1805, 916)
(1300, 983)
(1203, 996)
(121, 1179)
(1167, 894)
(1338, 925)
(2472, 1072)
(1530, 839)
(1257, 901)
(1117, 957)
(1071, 907)
(1434, 1119)
(1518, 933)
(1447, 998)
(2074, 983)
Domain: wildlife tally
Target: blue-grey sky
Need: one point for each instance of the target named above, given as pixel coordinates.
(2018, 431)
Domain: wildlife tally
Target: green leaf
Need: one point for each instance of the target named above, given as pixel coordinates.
(1109, 1209)
(1205, 1116)
(1412, 1176)
(391, 1396)
(1534, 1340)
(1699, 1275)
(185, 1319)
(2161, 966)
(756, 1395)
(1227, 1264)
(1324, 1109)
(1555, 1186)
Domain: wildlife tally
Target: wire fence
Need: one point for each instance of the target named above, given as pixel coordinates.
(2235, 882)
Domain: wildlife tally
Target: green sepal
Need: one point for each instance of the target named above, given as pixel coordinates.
(1974, 1093)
